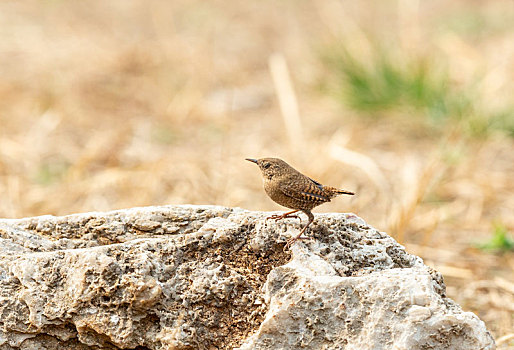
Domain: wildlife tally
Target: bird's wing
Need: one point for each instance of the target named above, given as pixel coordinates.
(320, 186)
(305, 191)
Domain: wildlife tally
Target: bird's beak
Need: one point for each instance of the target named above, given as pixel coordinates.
(251, 160)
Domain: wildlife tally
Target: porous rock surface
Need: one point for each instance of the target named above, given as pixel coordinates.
(206, 277)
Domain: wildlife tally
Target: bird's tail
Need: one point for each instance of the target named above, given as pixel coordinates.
(337, 191)
(345, 192)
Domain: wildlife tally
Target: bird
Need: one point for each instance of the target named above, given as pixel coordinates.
(290, 188)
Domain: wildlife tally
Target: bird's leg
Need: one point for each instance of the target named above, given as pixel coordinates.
(292, 240)
(284, 216)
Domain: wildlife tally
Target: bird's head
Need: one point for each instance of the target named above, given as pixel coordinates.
(271, 167)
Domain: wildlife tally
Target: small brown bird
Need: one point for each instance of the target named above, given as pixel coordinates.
(290, 188)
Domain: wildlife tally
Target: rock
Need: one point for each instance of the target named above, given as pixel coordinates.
(206, 277)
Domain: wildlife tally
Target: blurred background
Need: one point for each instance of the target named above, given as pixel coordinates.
(108, 105)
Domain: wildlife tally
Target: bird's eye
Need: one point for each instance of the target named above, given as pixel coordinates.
(267, 165)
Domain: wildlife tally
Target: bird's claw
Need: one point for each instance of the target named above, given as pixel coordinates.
(283, 216)
(291, 241)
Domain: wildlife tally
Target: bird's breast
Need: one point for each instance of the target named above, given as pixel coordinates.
(272, 188)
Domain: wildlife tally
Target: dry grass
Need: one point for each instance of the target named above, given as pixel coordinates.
(113, 105)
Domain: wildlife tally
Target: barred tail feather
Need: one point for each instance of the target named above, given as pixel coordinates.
(338, 191)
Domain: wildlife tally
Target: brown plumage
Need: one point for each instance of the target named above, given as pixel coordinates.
(290, 188)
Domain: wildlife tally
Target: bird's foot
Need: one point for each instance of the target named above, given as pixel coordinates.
(284, 216)
(291, 241)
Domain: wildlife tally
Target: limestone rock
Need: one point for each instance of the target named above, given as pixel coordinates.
(206, 277)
